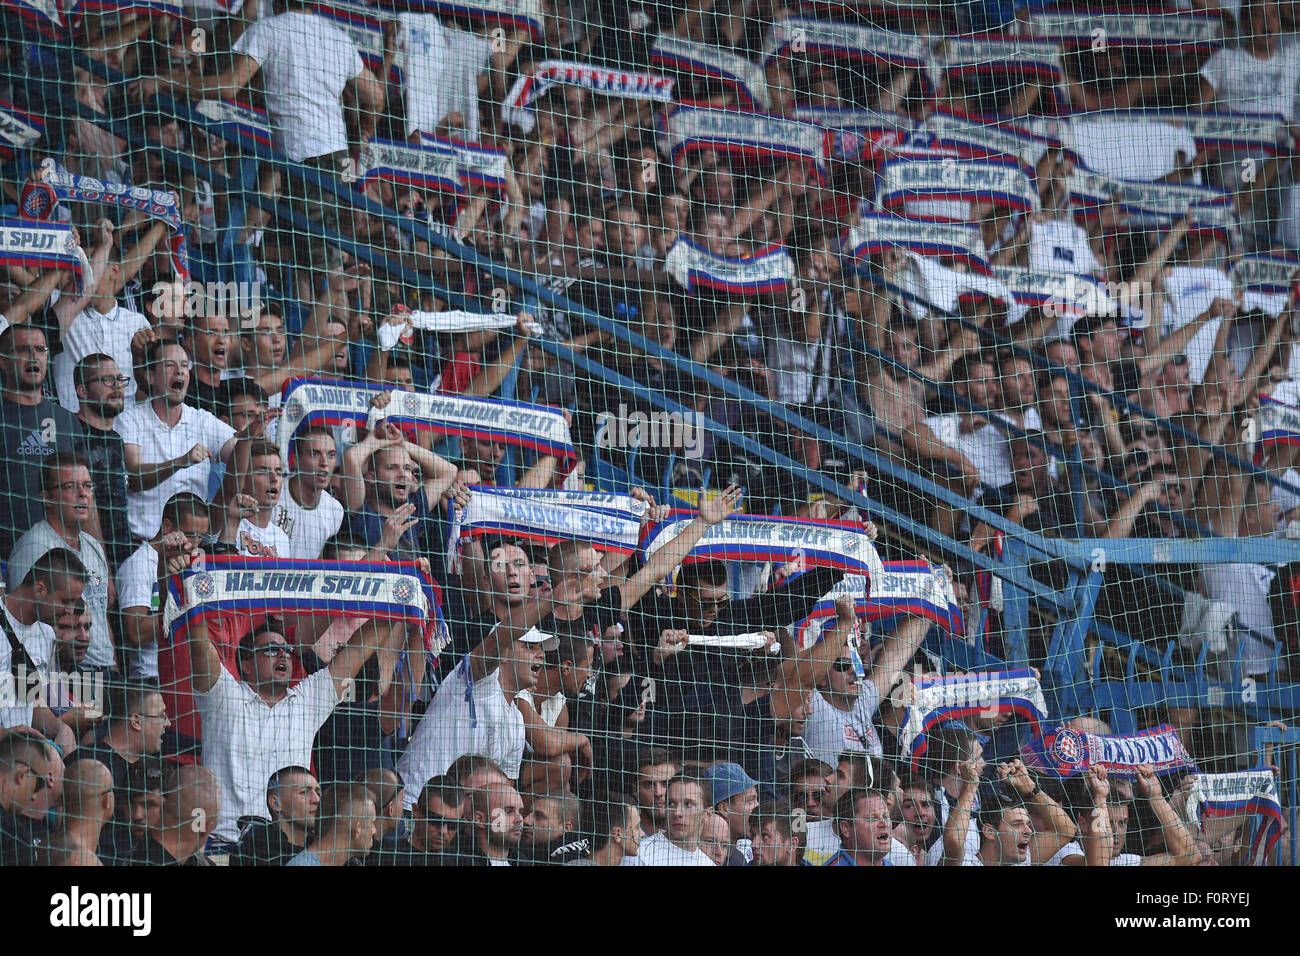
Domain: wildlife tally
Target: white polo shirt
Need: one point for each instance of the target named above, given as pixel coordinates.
(137, 586)
(245, 740)
(986, 447)
(90, 332)
(307, 528)
(140, 425)
(465, 717)
(39, 540)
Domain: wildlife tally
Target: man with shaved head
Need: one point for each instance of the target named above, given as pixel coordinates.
(88, 804)
(191, 803)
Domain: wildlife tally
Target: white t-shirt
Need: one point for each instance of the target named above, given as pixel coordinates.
(255, 542)
(305, 62)
(829, 732)
(658, 850)
(465, 717)
(38, 640)
(1245, 587)
(90, 332)
(137, 586)
(823, 843)
(1073, 848)
(548, 708)
(440, 73)
(1189, 291)
(39, 540)
(1245, 84)
(1059, 245)
(986, 447)
(245, 741)
(140, 425)
(307, 528)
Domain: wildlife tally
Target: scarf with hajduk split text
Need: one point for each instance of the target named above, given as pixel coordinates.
(1002, 181)
(420, 166)
(749, 137)
(41, 196)
(742, 77)
(19, 130)
(808, 37)
(1065, 752)
(766, 271)
(830, 544)
(932, 701)
(610, 522)
(43, 245)
(903, 588)
(1185, 30)
(1236, 794)
(877, 231)
(517, 107)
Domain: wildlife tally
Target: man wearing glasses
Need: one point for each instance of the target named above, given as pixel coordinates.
(69, 498)
(435, 828)
(31, 428)
(101, 392)
(261, 721)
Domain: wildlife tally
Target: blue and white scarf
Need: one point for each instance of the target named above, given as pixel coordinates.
(768, 270)
(235, 121)
(18, 130)
(1064, 753)
(1253, 132)
(1004, 182)
(1279, 423)
(158, 204)
(765, 538)
(741, 76)
(876, 232)
(936, 700)
(517, 107)
(43, 16)
(971, 138)
(999, 55)
(1067, 294)
(516, 13)
(903, 588)
(519, 424)
(424, 167)
(610, 522)
(1187, 30)
(807, 36)
(1240, 793)
(476, 165)
(43, 245)
(755, 137)
(1155, 205)
(157, 8)
(1264, 280)
(225, 585)
(858, 133)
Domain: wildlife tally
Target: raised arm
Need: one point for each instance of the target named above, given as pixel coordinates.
(897, 649)
(957, 825)
(1053, 827)
(1179, 846)
(351, 657)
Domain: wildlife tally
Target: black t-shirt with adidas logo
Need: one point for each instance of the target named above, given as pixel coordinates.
(29, 433)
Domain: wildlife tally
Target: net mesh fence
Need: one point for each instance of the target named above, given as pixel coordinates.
(545, 432)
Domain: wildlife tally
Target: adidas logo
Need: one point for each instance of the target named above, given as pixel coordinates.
(33, 444)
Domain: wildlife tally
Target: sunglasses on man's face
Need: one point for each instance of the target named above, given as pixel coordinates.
(843, 666)
(40, 777)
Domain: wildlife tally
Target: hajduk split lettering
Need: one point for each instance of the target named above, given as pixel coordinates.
(902, 588)
(42, 245)
(835, 39)
(1065, 752)
(1002, 181)
(1181, 29)
(225, 585)
(971, 137)
(1236, 794)
(1278, 423)
(876, 231)
(235, 121)
(836, 544)
(476, 165)
(933, 701)
(610, 522)
(766, 271)
(424, 167)
(604, 81)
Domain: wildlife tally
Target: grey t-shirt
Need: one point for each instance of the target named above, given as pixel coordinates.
(28, 434)
(305, 858)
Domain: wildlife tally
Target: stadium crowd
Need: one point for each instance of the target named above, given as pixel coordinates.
(896, 283)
